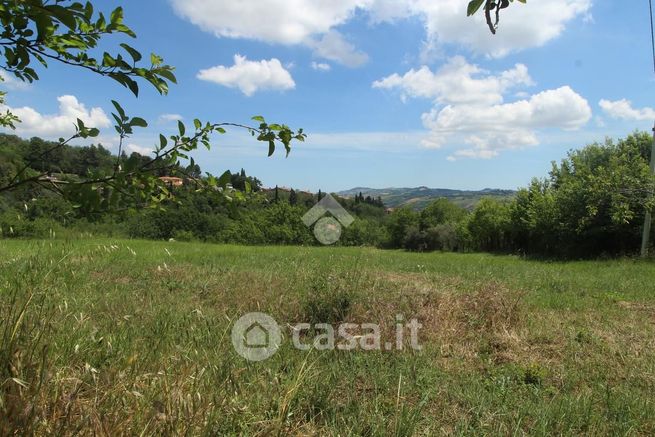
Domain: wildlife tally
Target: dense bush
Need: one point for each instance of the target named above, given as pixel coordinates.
(489, 225)
(591, 204)
(16, 225)
(434, 228)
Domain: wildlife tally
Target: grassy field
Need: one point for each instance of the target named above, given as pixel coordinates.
(104, 337)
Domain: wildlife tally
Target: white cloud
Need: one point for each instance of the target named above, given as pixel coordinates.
(490, 129)
(250, 76)
(308, 21)
(10, 81)
(470, 109)
(521, 26)
(145, 151)
(382, 11)
(623, 110)
(560, 108)
(61, 124)
(321, 66)
(457, 82)
(334, 47)
(166, 118)
(277, 21)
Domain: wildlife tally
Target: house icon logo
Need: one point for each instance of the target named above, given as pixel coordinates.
(256, 336)
(327, 229)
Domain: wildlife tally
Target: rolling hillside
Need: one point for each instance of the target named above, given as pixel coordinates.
(420, 197)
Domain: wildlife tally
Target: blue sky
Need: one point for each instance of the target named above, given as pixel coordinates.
(391, 92)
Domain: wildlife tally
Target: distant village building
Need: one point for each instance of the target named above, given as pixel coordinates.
(172, 181)
(50, 178)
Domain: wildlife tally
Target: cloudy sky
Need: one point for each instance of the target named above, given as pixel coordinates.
(391, 92)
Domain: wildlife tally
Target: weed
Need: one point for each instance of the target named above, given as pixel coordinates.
(96, 339)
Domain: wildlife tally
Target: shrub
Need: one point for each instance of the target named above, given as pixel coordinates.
(15, 225)
(328, 300)
(442, 237)
(181, 235)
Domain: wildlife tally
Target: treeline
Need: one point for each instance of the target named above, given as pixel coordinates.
(257, 216)
(47, 157)
(591, 204)
(264, 217)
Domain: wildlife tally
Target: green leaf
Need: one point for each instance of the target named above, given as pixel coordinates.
(108, 60)
(88, 10)
(63, 15)
(133, 53)
(181, 128)
(116, 16)
(271, 147)
(473, 7)
(43, 25)
(139, 122)
(117, 118)
(258, 118)
(167, 74)
(155, 60)
(119, 109)
(133, 86)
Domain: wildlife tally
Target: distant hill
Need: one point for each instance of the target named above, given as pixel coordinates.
(420, 197)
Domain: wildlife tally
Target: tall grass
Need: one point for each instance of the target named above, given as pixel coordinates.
(104, 337)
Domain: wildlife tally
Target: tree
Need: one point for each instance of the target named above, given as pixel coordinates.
(488, 225)
(293, 197)
(400, 222)
(277, 195)
(439, 212)
(194, 171)
(70, 33)
(600, 192)
(490, 6)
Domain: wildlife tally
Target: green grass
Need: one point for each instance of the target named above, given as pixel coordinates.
(118, 337)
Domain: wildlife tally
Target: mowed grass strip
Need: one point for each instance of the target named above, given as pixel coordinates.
(110, 337)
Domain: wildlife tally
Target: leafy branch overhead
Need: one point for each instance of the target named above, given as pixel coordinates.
(134, 183)
(66, 32)
(36, 32)
(491, 7)
(40, 31)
